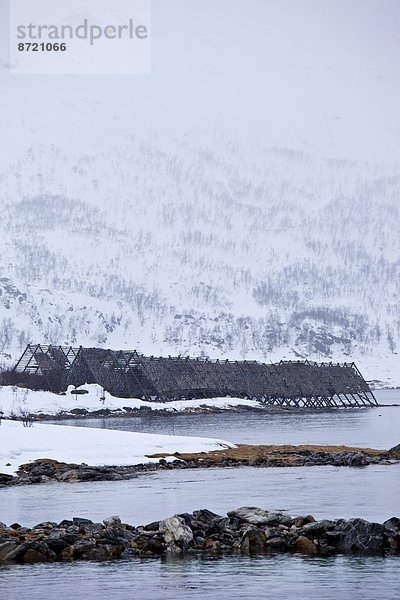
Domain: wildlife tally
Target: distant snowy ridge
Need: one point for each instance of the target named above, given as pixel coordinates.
(172, 247)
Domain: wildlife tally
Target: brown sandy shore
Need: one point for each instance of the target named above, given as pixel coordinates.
(290, 455)
(46, 469)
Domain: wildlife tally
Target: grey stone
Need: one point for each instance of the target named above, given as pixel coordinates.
(317, 528)
(81, 547)
(7, 550)
(255, 516)
(277, 544)
(113, 521)
(253, 541)
(394, 452)
(392, 524)
(5, 478)
(359, 536)
(57, 544)
(79, 521)
(45, 525)
(174, 530)
(358, 460)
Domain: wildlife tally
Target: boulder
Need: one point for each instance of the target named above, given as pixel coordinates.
(5, 478)
(394, 452)
(88, 474)
(79, 521)
(42, 468)
(228, 524)
(97, 553)
(82, 547)
(300, 521)
(65, 523)
(32, 556)
(277, 544)
(305, 545)
(175, 530)
(68, 553)
(317, 528)
(70, 476)
(393, 524)
(258, 516)
(57, 545)
(271, 532)
(8, 551)
(359, 536)
(45, 525)
(149, 545)
(358, 460)
(154, 526)
(203, 519)
(325, 549)
(113, 521)
(255, 516)
(253, 541)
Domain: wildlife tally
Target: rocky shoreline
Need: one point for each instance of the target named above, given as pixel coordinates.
(46, 470)
(143, 411)
(249, 531)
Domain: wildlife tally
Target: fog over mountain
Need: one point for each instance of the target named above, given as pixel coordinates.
(240, 201)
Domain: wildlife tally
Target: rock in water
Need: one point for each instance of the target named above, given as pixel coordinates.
(394, 452)
(359, 536)
(253, 541)
(114, 521)
(8, 550)
(176, 531)
(305, 545)
(32, 556)
(5, 478)
(392, 524)
(359, 460)
(259, 516)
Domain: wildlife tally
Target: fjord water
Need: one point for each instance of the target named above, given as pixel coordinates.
(280, 576)
(372, 493)
(368, 427)
(325, 492)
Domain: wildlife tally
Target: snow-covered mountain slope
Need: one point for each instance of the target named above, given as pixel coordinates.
(173, 246)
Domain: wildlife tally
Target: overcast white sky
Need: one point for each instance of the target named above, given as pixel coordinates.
(322, 75)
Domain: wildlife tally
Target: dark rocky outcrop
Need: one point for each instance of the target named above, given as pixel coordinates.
(249, 531)
(357, 535)
(46, 469)
(394, 452)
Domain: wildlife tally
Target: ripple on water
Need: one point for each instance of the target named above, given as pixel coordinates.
(281, 576)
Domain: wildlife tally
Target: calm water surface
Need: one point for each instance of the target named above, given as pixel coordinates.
(373, 427)
(275, 577)
(372, 493)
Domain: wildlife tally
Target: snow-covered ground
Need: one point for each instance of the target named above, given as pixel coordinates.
(17, 402)
(19, 445)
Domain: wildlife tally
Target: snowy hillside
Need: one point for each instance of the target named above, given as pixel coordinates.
(210, 247)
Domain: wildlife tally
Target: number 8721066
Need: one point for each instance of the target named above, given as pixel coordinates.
(41, 47)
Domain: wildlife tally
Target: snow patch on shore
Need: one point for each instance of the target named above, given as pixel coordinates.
(16, 402)
(95, 447)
